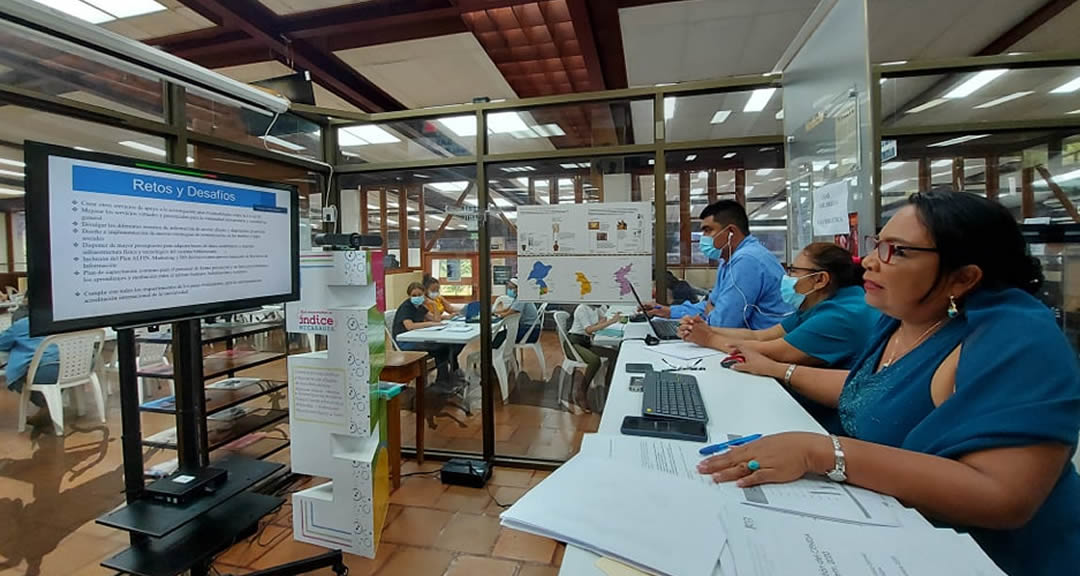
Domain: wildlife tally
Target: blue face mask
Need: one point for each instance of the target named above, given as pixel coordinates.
(511, 292)
(709, 250)
(788, 293)
(417, 301)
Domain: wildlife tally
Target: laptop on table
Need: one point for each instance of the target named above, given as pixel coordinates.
(663, 329)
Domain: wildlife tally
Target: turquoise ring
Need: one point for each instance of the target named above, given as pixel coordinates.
(753, 465)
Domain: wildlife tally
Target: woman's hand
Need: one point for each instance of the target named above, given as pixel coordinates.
(756, 362)
(781, 458)
(695, 330)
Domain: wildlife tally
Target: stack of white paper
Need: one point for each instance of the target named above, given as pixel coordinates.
(637, 517)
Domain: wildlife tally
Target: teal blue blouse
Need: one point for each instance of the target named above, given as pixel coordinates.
(836, 330)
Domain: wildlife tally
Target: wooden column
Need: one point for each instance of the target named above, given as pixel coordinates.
(364, 210)
(423, 224)
(1027, 191)
(925, 182)
(993, 177)
(958, 174)
(403, 226)
(10, 243)
(635, 187)
(383, 224)
(684, 217)
(532, 190)
(740, 186)
(711, 186)
(553, 191)
(579, 191)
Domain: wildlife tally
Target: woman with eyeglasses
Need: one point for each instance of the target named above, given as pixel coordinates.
(965, 403)
(831, 323)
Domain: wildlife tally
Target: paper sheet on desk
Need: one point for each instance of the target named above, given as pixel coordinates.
(808, 496)
(632, 515)
(683, 350)
(767, 543)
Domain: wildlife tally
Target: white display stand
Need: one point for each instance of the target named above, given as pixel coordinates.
(333, 425)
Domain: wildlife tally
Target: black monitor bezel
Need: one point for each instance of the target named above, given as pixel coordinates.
(39, 253)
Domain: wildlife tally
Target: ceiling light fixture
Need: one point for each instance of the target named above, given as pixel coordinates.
(1068, 87)
(13, 174)
(764, 172)
(729, 155)
(926, 106)
(143, 147)
(957, 140)
(780, 205)
(894, 63)
(759, 99)
(969, 86)
(505, 123)
(720, 116)
(549, 130)
(425, 177)
(458, 186)
(364, 135)
(461, 125)
(126, 8)
(691, 157)
(669, 107)
(652, 162)
(14, 163)
(78, 9)
(1004, 99)
(1077, 111)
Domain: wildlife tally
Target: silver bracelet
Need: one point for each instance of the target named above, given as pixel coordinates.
(787, 375)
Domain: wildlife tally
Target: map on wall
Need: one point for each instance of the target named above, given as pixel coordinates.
(585, 252)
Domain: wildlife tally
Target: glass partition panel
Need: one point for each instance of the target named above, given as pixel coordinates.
(232, 121)
(970, 98)
(535, 416)
(580, 125)
(46, 64)
(408, 140)
(18, 124)
(724, 115)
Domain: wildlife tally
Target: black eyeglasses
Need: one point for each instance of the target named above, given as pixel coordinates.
(791, 269)
(886, 250)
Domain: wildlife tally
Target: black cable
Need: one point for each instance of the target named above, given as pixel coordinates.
(496, 500)
(432, 472)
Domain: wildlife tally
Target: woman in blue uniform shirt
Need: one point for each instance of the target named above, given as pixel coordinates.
(965, 403)
(832, 320)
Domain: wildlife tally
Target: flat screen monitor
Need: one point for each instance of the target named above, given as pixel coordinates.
(116, 241)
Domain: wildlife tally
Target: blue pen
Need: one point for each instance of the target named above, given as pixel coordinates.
(713, 449)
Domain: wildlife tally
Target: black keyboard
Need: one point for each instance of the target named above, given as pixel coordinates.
(666, 329)
(671, 395)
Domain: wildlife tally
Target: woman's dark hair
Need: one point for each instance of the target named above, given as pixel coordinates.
(414, 286)
(971, 230)
(838, 262)
(428, 281)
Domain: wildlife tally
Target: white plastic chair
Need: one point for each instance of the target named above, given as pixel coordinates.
(500, 357)
(388, 320)
(77, 359)
(150, 356)
(537, 349)
(572, 359)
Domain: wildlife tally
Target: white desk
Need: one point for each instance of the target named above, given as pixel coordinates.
(449, 333)
(737, 403)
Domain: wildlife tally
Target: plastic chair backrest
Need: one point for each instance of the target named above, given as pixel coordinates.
(76, 354)
(537, 324)
(388, 321)
(472, 309)
(562, 317)
(150, 354)
(510, 323)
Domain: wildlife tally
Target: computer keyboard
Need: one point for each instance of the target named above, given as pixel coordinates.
(666, 329)
(671, 395)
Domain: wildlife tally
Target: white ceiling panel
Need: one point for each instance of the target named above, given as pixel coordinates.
(294, 6)
(254, 72)
(176, 19)
(700, 39)
(450, 69)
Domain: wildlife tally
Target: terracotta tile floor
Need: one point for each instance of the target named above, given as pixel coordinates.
(52, 489)
(431, 530)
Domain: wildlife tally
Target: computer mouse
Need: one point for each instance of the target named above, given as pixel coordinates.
(732, 360)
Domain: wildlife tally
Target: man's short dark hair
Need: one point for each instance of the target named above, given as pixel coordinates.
(728, 212)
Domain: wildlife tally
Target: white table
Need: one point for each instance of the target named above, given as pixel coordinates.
(452, 332)
(737, 404)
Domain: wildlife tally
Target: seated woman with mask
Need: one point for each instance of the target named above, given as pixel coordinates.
(832, 320)
(965, 403)
(411, 314)
(515, 306)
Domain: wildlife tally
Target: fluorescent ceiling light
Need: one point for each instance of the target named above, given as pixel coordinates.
(893, 184)
(126, 8)
(940, 174)
(14, 163)
(1004, 99)
(283, 143)
(421, 176)
(669, 107)
(691, 157)
(505, 123)
(927, 105)
(969, 86)
(458, 186)
(568, 166)
(894, 63)
(78, 9)
(764, 172)
(503, 202)
(777, 179)
(893, 165)
(523, 180)
(759, 99)
(413, 218)
(1077, 111)
(549, 130)
(10, 173)
(364, 135)
(720, 116)
(780, 205)
(83, 149)
(143, 147)
(4, 191)
(941, 163)
(729, 155)
(652, 162)
(957, 140)
(1068, 87)
(460, 125)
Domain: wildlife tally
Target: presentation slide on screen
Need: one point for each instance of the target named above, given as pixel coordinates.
(130, 240)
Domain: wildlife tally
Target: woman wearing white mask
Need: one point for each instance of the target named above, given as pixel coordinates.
(832, 320)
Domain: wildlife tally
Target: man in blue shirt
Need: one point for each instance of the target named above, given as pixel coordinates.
(17, 342)
(747, 289)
